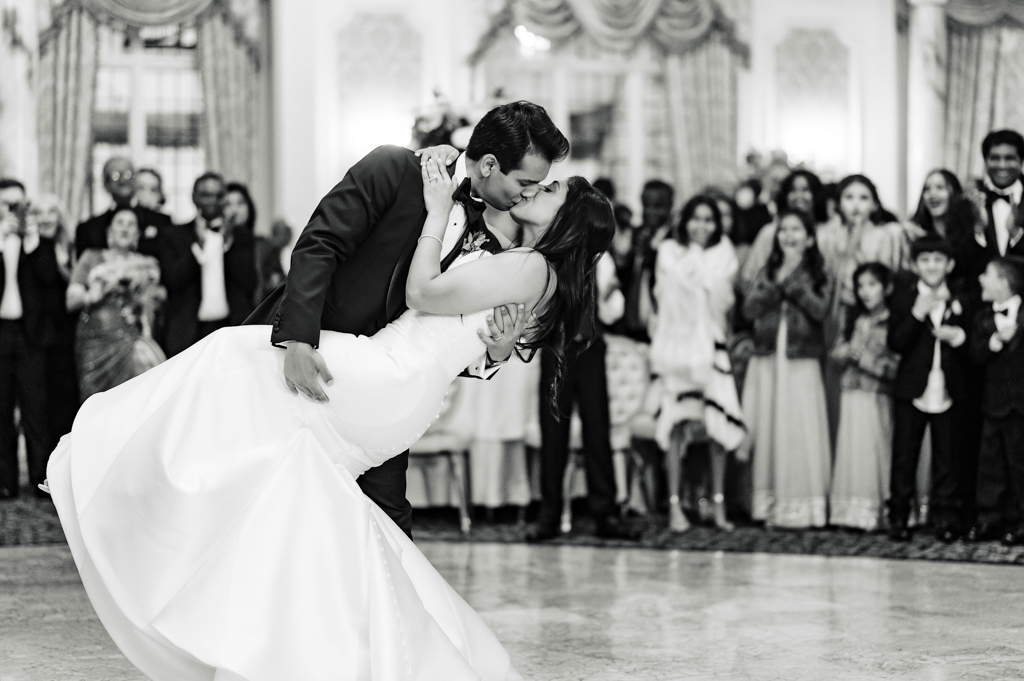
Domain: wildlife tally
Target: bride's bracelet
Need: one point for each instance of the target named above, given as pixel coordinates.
(431, 236)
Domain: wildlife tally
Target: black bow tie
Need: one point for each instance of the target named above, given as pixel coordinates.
(474, 208)
(1005, 312)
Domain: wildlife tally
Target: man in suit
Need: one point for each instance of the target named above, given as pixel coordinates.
(350, 263)
(25, 332)
(119, 180)
(208, 268)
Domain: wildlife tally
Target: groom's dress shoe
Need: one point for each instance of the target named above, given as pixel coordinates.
(611, 527)
(542, 531)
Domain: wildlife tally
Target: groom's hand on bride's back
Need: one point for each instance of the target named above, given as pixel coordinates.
(304, 368)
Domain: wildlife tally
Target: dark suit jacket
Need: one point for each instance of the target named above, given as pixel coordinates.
(1004, 370)
(42, 291)
(914, 340)
(181, 275)
(93, 232)
(350, 263)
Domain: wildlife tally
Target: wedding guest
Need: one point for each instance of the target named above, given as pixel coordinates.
(657, 200)
(149, 189)
(944, 210)
(54, 253)
(783, 396)
(863, 231)
(802, 191)
(860, 476)
(927, 329)
(25, 332)
(119, 180)
(585, 388)
(238, 208)
(208, 268)
(115, 292)
(751, 214)
(693, 294)
(997, 197)
(998, 345)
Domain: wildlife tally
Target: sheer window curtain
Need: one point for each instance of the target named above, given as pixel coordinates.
(68, 60)
(232, 58)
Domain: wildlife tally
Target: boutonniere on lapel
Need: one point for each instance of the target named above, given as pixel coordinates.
(150, 232)
(954, 308)
(473, 242)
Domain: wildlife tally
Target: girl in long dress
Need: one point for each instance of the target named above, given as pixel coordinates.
(783, 396)
(116, 292)
(694, 293)
(215, 518)
(860, 479)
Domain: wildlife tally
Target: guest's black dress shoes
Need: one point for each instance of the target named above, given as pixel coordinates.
(984, 532)
(899, 532)
(1013, 537)
(542, 531)
(611, 527)
(947, 534)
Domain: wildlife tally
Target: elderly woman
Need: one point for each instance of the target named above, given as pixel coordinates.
(116, 291)
(53, 253)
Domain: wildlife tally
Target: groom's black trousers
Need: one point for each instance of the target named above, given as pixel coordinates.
(385, 485)
(585, 384)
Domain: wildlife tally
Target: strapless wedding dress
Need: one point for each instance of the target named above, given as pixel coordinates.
(220, 533)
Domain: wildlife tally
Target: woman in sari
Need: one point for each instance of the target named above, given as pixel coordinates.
(116, 292)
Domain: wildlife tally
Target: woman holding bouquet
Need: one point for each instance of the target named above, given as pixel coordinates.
(116, 292)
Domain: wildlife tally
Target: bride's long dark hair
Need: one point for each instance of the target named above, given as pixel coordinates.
(579, 235)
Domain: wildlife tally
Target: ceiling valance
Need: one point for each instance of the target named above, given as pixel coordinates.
(985, 12)
(676, 25)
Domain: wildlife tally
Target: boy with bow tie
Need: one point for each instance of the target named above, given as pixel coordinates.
(926, 328)
(998, 345)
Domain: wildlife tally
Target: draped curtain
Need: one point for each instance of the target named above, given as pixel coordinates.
(701, 87)
(231, 50)
(985, 74)
(700, 57)
(68, 59)
(234, 89)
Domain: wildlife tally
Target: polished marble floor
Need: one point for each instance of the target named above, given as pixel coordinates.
(573, 613)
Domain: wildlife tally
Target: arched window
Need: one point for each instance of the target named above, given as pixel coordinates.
(149, 107)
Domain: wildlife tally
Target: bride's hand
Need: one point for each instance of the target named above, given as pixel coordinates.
(444, 154)
(438, 188)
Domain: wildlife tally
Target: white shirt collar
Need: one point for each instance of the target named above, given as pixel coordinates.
(461, 173)
(1010, 305)
(1014, 192)
(925, 289)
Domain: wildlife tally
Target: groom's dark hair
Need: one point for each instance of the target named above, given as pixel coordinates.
(511, 131)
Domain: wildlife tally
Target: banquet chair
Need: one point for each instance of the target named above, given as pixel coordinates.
(442, 441)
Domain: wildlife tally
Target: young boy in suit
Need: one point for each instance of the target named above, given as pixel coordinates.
(926, 327)
(998, 345)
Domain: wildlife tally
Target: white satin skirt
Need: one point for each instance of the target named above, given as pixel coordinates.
(220, 534)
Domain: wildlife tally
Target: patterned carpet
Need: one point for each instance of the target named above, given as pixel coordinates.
(34, 521)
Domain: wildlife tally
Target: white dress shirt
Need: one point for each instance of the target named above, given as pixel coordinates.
(10, 304)
(1011, 307)
(213, 305)
(935, 399)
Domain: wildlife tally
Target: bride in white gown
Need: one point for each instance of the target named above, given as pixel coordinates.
(215, 518)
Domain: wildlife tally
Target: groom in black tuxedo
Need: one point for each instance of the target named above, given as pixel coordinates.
(349, 266)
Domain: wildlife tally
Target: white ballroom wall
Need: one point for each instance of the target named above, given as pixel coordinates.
(322, 126)
(861, 134)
